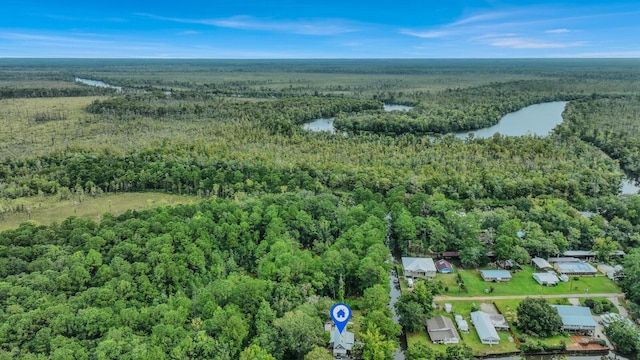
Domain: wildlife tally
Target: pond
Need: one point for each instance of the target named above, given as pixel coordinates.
(97, 83)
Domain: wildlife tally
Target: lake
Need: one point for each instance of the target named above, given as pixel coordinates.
(97, 83)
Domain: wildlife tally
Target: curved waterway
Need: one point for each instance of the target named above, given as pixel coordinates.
(538, 119)
(326, 124)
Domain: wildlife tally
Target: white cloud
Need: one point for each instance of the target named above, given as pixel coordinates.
(523, 43)
(427, 34)
(558, 31)
(299, 26)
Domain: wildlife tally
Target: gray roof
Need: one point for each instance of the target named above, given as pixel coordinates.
(541, 263)
(564, 260)
(576, 268)
(462, 323)
(482, 322)
(548, 278)
(342, 340)
(584, 253)
(496, 274)
(575, 316)
(418, 264)
(441, 328)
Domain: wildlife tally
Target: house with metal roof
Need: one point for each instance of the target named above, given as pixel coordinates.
(442, 331)
(575, 268)
(444, 267)
(590, 255)
(342, 343)
(576, 318)
(495, 275)
(418, 267)
(546, 278)
(541, 264)
(563, 259)
(486, 332)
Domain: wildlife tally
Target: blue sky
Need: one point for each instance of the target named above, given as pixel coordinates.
(319, 29)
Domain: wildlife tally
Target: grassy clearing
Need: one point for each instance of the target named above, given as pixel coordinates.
(464, 308)
(522, 283)
(46, 210)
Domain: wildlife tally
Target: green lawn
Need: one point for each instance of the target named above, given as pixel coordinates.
(522, 283)
(612, 309)
(508, 309)
(471, 339)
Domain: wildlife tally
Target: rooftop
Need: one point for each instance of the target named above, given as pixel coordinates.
(418, 264)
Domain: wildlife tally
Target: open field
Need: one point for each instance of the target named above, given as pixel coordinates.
(522, 283)
(47, 210)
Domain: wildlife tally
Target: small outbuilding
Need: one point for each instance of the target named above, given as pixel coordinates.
(546, 278)
(418, 267)
(541, 264)
(486, 331)
(444, 267)
(442, 331)
(495, 275)
(609, 270)
(462, 323)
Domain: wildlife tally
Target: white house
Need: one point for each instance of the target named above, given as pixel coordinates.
(418, 267)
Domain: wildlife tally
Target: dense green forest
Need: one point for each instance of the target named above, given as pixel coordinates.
(290, 220)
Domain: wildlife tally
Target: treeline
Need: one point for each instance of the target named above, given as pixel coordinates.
(13, 93)
(216, 280)
(275, 114)
(611, 123)
(457, 110)
(425, 224)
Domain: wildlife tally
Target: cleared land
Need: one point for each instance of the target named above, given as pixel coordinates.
(45, 211)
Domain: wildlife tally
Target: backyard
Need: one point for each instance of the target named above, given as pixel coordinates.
(522, 283)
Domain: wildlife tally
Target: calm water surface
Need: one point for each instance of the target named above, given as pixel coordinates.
(537, 119)
(97, 83)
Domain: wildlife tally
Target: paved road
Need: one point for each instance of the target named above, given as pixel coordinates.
(546, 296)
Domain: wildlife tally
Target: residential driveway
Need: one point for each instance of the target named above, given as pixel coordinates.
(599, 333)
(623, 312)
(574, 301)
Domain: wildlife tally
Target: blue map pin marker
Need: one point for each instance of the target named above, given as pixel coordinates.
(340, 314)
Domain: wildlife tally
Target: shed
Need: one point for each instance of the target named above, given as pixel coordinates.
(576, 318)
(442, 331)
(609, 270)
(495, 275)
(546, 278)
(486, 332)
(541, 264)
(447, 307)
(418, 267)
(444, 266)
(462, 323)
